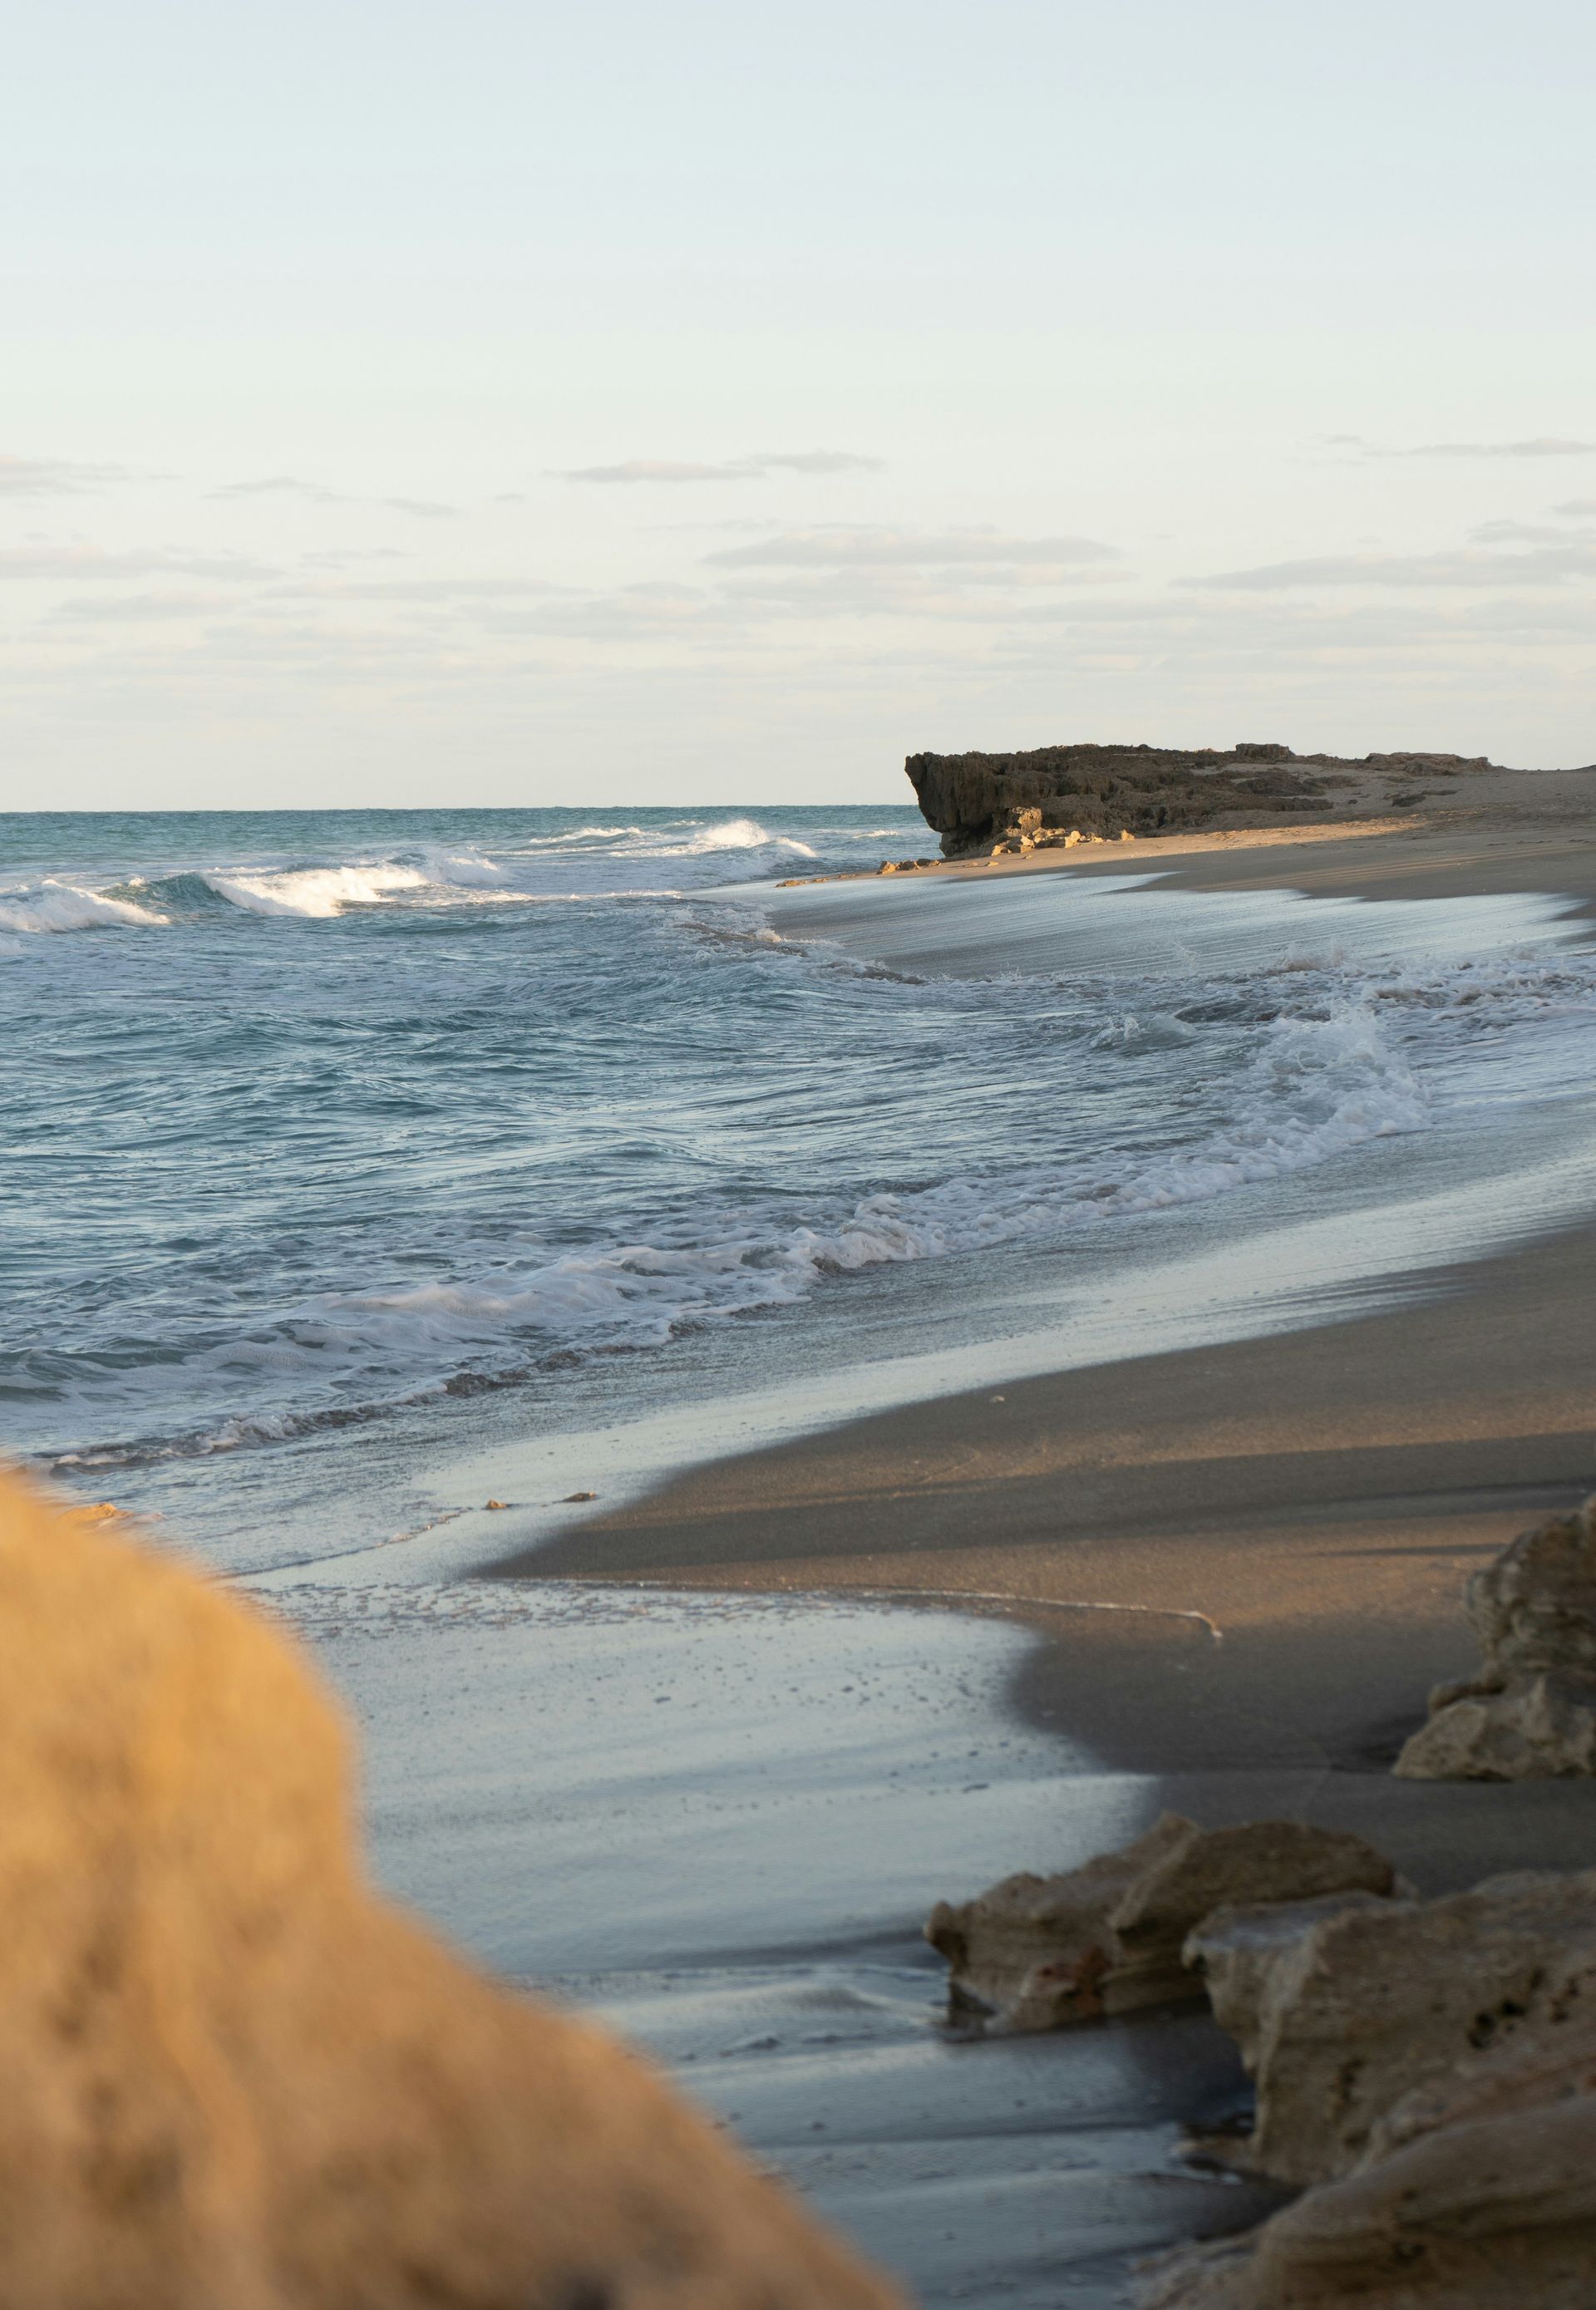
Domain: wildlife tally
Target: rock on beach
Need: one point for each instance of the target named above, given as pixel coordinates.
(1529, 1711)
(1044, 1953)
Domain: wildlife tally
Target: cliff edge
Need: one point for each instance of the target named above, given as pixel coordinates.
(1031, 800)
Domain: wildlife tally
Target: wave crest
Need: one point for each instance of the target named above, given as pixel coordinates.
(64, 906)
(315, 892)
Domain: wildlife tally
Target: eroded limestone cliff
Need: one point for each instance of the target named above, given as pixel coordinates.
(1031, 799)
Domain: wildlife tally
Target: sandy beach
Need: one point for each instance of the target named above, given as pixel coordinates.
(1247, 1560)
(1310, 1504)
(1244, 1562)
(1491, 830)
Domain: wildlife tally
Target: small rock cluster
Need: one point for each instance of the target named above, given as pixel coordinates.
(1425, 2070)
(1429, 2072)
(1042, 1952)
(1529, 1711)
(1029, 831)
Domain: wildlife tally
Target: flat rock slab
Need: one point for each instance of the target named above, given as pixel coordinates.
(1045, 1952)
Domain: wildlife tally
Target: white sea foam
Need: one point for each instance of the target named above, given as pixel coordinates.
(746, 834)
(452, 869)
(53, 906)
(1316, 1090)
(316, 891)
(602, 860)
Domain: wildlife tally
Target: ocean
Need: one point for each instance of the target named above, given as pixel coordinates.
(341, 1145)
(358, 1169)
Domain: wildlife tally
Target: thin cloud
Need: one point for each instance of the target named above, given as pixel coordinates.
(43, 563)
(412, 589)
(350, 557)
(1544, 444)
(817, 461)
(1576, 507)
(289, 485)
(735, 469)
(641, 613)
(1550, 565)
(833, 549)
(136, 609)
(54, 477)
(283, 485)
(1527, 533)
(1540, 445)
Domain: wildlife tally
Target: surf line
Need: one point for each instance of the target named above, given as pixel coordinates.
(1009, 1599)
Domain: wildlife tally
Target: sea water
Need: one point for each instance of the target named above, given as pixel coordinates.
(339, 1145)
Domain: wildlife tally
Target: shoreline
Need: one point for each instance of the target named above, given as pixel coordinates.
(1318, 1495)
(1446, 855)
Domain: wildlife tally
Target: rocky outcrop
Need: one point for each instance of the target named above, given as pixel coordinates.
(233, 2076)
(1028, 800)
(1530, 1710)
(1536, 1728)
(1439, 2064)
(1044, 1953)
(1338, 2015)
(1494, 2214)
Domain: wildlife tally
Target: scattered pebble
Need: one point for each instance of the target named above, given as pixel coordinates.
(579, 1496)
(499, 1504)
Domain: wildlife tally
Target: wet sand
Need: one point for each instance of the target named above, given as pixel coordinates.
(1318, 1499)
(1313, 1502)
(1493, 831)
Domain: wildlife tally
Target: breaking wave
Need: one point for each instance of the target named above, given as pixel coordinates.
(52, 906)
(317, 892)
(590, 861)
(481, 1146)
(1316, 1089)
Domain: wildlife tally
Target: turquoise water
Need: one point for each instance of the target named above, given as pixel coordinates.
(319, 1129)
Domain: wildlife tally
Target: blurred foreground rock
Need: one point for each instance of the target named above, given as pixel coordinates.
(1043, 1952)
(235, 2079)
(1530, 1711)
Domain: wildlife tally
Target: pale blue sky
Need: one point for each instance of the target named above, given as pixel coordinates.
(960, 375)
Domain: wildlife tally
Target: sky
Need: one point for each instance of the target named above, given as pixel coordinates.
(520, 403)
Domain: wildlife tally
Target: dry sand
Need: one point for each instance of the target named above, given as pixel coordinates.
(1485, 831)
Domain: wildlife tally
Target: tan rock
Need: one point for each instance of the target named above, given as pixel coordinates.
(1530, 1711)
(234, 2080)
(1339, 2016)
(1479, 2187)
(1534, 1607)
(1538, 1728)
(1044, 1952)
(1496, 2215)
(1548, 2058)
